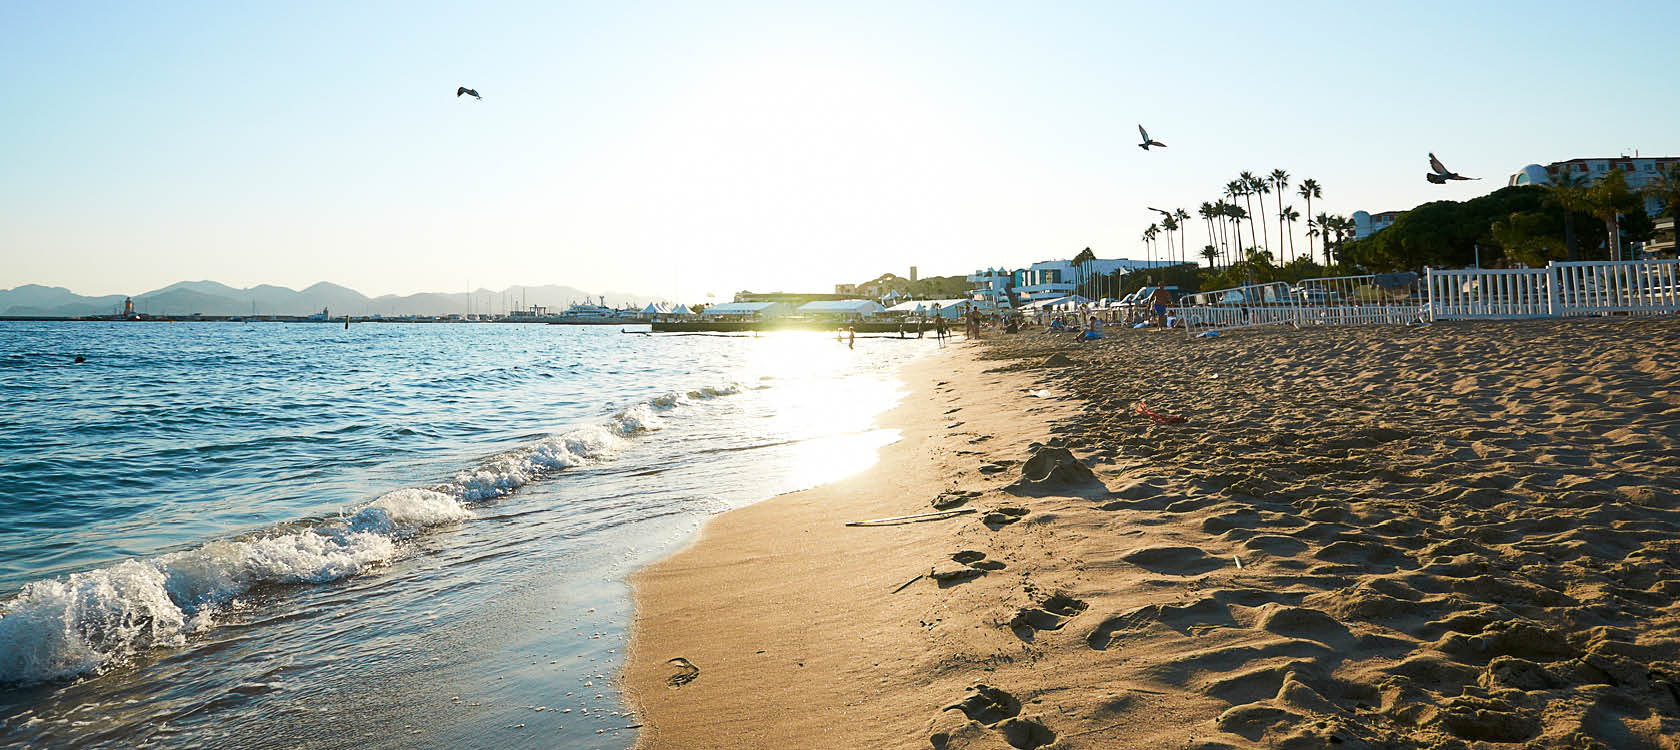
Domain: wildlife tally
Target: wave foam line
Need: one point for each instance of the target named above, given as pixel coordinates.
(61, 628)
(505, 473)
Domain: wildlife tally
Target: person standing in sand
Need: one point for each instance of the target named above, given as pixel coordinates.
(1158, 303)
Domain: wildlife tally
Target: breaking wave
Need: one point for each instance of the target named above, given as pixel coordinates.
(83, 623)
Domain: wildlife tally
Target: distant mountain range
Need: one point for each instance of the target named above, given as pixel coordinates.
(212, 298)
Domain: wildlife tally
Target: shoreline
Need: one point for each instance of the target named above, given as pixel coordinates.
(1459, 536)
(765, 598)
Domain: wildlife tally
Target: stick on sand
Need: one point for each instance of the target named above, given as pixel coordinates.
(936, 515)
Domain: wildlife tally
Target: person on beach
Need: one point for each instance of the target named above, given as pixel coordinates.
(1159, 302)
(1093, 330)
(851, 338)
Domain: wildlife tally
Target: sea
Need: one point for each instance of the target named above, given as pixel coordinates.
(230, 535)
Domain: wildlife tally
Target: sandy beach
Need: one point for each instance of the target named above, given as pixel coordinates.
(1453, 536)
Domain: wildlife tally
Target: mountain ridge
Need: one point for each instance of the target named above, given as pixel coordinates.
(209, 297)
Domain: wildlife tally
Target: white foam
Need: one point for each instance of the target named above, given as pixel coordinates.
(86, 622)
(60, 628)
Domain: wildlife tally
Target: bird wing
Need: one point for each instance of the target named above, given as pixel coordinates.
(1143, 133)
(1436, 165)
(1159, 211)
(1432, 177)
(459, 91)
(1158, 143)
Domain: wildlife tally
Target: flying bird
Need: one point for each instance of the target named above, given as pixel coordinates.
(465, 90)
(1167, 214)
(1146, 141)
(1442, 174)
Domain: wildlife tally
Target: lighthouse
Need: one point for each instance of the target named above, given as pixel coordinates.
(128, 308)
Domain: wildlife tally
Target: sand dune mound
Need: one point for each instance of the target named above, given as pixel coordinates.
(1051, 469)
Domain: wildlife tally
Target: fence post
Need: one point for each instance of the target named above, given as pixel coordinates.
(1429, 291)
(1551, 290)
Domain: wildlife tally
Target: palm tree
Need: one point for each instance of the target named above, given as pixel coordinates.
(1149, 236)
(1666, 187)
(1222, 211)
(1206, 212)
(1210, 252)
(1247, 181)
(1280, 182)
(1608, 200)
(1568, 192)
(1262, 188)
(1182, 216)
(1237, 214)
(1290, 215)
(1169, 224)
(1323, 229)
(1310, 190)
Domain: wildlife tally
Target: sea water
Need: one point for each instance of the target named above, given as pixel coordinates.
(395, 535)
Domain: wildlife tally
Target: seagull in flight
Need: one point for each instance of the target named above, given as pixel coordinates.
(1442, 174)
(1167, 214)
(465, 90)
(1146, 141)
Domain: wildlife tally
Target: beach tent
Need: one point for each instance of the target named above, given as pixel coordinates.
(654, 310)
(748, 310)
(847, 309)
(682, 311)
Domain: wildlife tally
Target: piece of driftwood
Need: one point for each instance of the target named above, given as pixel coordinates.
(934, 516)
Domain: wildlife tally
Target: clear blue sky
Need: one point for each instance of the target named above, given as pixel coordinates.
(709, 147)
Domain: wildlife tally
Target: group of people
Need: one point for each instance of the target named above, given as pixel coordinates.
(1160, 301)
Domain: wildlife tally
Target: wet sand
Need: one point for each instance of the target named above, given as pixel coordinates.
(1455, 536)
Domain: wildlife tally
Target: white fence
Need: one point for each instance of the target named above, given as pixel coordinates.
(1633, 286)
(1559, 290)
(1637, 287)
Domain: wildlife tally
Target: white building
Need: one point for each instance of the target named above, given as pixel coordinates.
(928, 308)
(841, 309)
(991, 286)
(1366, 224)
(747, 310)
(1051, 279)
(1639, 171)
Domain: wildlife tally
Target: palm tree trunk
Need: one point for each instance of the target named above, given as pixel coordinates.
(1266, 234)
(1309, 221)
(1569, 233)
(1249, 199)
(1281, 221)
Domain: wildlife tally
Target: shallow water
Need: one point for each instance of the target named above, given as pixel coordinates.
(414, 535)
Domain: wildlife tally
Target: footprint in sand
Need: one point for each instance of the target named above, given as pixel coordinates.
(977, 560)
(1051, 615)
(686, 672)
(998, 710)
(974, 564)
(1002, 517)
(1176, 560)
(953, 499)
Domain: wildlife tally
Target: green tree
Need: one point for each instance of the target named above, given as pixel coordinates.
(1607, 200)
(1666, 187)
(1280, 183)
(1210, 252)
(1310, 189)
(1169, 225)
(1183, 219)
(1529, 237)
(1288, 214)
(1569, 193)
(1246, 180)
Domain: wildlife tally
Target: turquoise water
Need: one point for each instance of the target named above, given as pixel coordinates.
(397, 535)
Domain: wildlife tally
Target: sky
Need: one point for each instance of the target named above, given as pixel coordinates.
(687, 149)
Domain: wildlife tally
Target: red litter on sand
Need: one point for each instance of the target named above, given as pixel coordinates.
(1159, 417)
